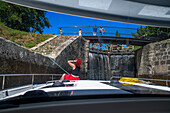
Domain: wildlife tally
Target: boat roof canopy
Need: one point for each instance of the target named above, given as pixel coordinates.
(144, 12)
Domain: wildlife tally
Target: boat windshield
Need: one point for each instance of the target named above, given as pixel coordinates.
(62, 49)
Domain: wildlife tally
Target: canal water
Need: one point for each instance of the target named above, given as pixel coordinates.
(103, 67)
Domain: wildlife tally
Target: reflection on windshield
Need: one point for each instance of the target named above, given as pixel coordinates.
(45, 54)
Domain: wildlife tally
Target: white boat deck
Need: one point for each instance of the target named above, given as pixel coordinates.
(81, 85)
(77, 85)
(89, 87)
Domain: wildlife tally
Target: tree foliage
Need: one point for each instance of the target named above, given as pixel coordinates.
(152, 32)
(23, 18)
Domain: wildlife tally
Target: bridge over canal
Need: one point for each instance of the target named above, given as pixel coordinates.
(118, 40)
(114, 39)
(116, 35)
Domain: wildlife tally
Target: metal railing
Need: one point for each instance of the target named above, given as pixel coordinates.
(110, 48)
(21, 75)
(161, 80)
(116, 32)
(6, 91)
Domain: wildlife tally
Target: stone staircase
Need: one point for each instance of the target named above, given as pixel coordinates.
(47, 47)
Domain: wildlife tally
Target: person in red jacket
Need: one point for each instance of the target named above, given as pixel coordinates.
(76, 66)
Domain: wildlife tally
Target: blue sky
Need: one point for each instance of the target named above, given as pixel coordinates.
(61, 20)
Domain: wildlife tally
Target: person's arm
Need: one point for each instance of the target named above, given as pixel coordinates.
(71, 64)
(104, 30)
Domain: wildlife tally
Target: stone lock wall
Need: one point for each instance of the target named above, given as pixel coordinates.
(153, 60)
(15, 59)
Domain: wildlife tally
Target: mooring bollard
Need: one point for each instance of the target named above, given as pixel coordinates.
(3, 82)
(32, 81)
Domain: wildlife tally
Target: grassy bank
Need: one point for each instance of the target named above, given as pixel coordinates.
(22, 38)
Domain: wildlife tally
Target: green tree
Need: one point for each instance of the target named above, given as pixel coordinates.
(23, 18)
(149, 32)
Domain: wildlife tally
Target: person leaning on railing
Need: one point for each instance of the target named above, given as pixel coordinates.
(80, 32)
(101, 31)
(61, 31)
(94, 30)
(75, 70)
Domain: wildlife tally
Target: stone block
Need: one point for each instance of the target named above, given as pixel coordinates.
(161, 54)
(165, 57)
(157, 54)
(162, 50)
(168, 62)
(161, 69)
(157, 47)
(159, 58)
(162, 62)
(164, 46)
(157, 63)
(165, 53)
(154, 58)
